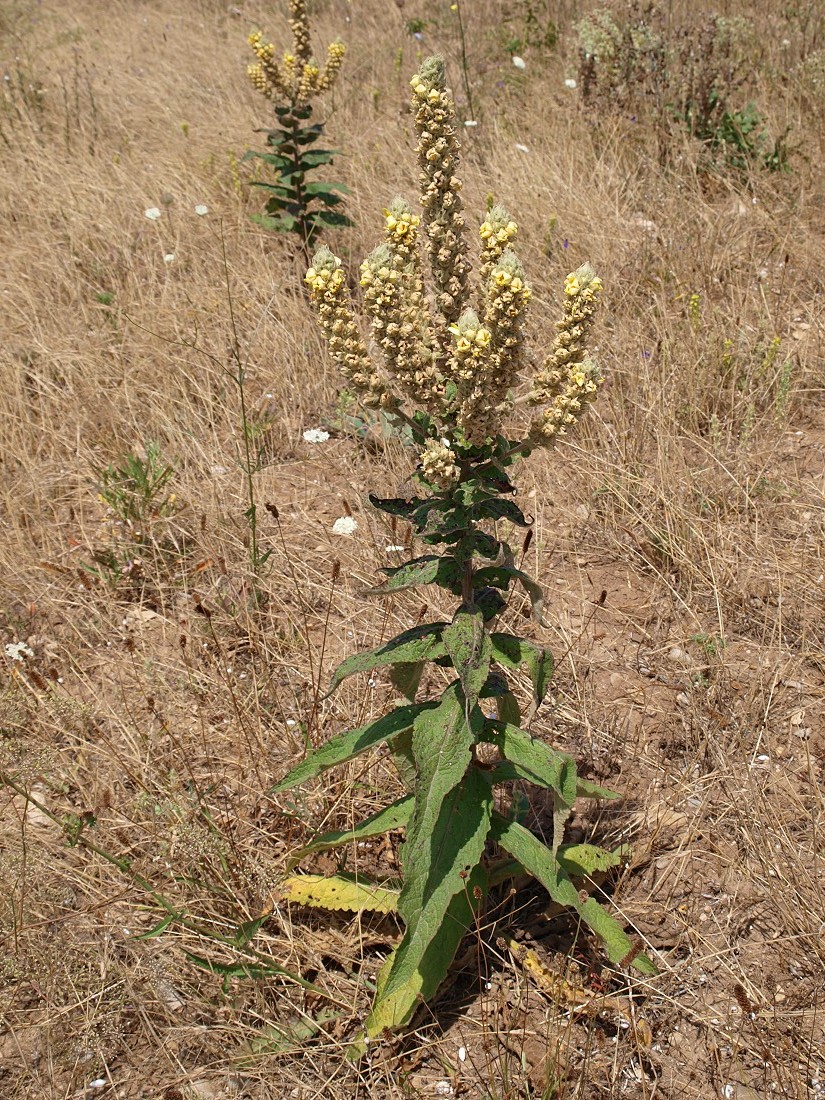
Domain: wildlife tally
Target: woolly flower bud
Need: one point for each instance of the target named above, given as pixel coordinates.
(584, 282)
(438, 464)
(441, 187)
(470, 336)
(326, 274)
(401, 222)
(498, 226)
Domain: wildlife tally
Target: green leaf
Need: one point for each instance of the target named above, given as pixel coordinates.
(250, 970)
(497, 508)
(430, 569)
(438, 900)
(329, 217)
(479, 542)
(391, 817)
(587, 789)
(551, 768)
(512, 652)
(159, 928)
(507, 709)
(421, 643)
(469, 648)
(539, 861)
(245, 933)
(347, 745)
(397, 506)
(501, 575)
(323, 188)
(406, 678)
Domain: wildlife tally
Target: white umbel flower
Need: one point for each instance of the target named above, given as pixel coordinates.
(316, 435)
(345, 525)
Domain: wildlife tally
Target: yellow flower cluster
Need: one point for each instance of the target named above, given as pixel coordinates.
(441, 188)
(326, 283)
(296, 78)
(497, 232)
(483, 390)
(569, 380)
(394, 297)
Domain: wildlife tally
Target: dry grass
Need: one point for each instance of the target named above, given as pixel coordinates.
(165, 703)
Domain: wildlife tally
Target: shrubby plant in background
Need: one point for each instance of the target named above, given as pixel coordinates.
(636, 57)
(450, 360)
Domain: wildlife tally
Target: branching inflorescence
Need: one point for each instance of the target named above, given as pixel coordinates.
(457, 364)
(448, 363)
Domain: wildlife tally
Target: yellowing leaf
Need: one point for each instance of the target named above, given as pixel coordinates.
(340, 892)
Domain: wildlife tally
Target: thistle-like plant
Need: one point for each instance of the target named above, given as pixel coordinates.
(450, 362)
(297, 202)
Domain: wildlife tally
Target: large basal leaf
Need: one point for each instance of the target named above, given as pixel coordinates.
(394, 816)
(340, 892)
(421, 643)
(442, 743)
(539, 861)
(512, 652)
(469, 648)
(430, 569)
(442, 890)
(551, 768)
(347, 745)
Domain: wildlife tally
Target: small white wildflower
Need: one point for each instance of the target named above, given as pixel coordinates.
(152, 213)
(470, 123)
(316, 435)
(519, 62)
(443, 1088)
(200, 209)
(169, 258)
(18, 651)
(462, 1054)
(290, 722)
(522, 148)
(393, 549)
(345, 525)
(216, 471)
(570, 83)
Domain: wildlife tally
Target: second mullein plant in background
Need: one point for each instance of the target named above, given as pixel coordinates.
(297, 202)
(451, 357)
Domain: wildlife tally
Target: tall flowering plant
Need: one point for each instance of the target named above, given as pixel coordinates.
(297, 202)
(449, 361)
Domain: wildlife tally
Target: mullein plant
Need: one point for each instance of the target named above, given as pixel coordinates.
(449, 361)
(297, 203)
